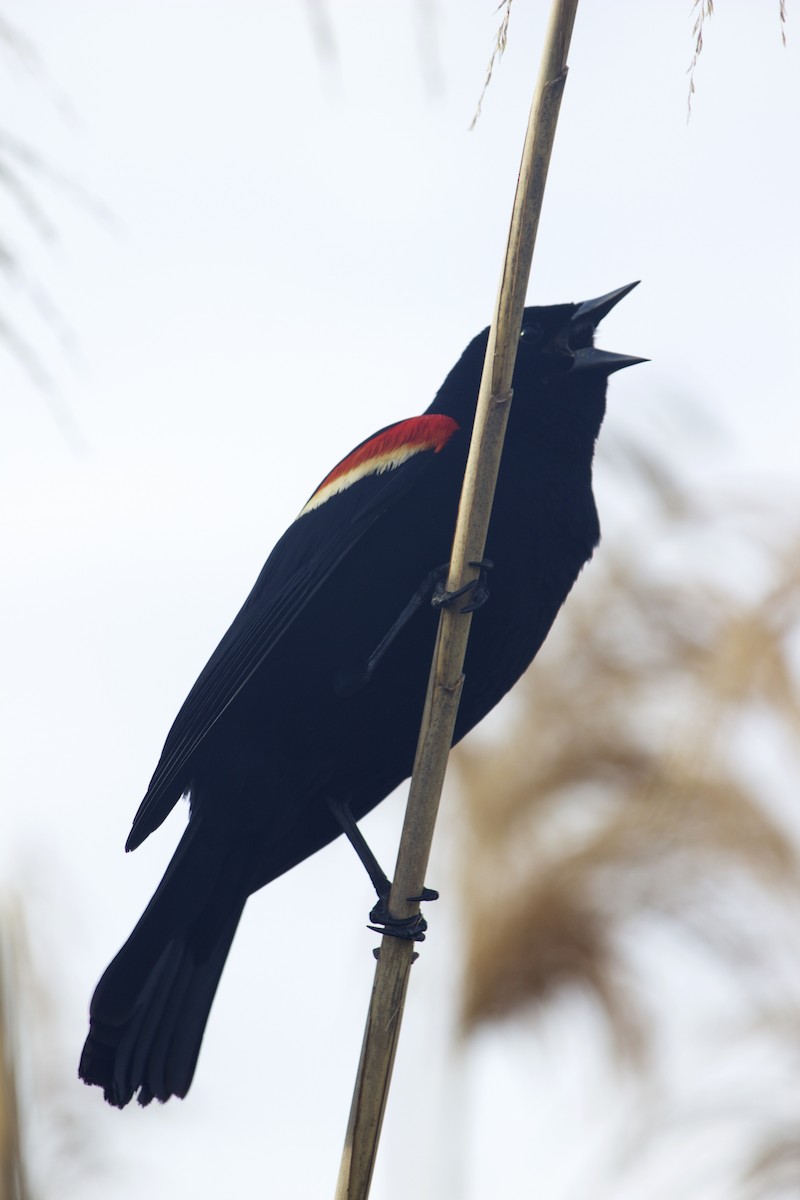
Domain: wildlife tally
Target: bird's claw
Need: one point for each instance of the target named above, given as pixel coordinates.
(426, 894)
(479, 588)
(410, 929)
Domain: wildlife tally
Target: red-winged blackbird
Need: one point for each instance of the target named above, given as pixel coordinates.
(296, 714)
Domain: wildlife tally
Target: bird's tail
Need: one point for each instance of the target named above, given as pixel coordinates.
(149, 1010)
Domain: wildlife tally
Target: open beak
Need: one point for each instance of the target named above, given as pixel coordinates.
(584, 321)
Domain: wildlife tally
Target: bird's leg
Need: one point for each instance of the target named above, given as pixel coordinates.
(342, 813)
(353, 679)
(432, 586)
(411, 928)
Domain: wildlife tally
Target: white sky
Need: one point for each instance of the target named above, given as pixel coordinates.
(297, 253)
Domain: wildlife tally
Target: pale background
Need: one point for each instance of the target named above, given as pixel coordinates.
(299, 243)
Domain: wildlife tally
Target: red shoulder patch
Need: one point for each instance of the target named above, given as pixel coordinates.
(385, 451)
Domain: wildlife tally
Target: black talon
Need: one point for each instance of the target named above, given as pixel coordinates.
(427, 894)
(410, 929)
(478, 587)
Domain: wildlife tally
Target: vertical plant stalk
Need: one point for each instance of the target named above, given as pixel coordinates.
(13, 1178)
(447, 679)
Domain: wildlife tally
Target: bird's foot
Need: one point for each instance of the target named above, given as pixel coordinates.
(410, 929)
(354, 676)
(478, 587)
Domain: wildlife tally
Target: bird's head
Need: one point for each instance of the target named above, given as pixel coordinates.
(558, 369)
(559, 339)
(561, 377)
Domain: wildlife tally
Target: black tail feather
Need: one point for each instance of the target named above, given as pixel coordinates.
(150, 1008)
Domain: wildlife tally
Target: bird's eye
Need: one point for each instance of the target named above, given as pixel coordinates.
(531, 333)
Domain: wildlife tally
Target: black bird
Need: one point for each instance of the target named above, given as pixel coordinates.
(307, 708)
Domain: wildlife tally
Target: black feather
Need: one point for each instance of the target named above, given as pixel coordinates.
(267, 735)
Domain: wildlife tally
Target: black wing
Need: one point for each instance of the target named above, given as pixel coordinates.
(312, 547)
